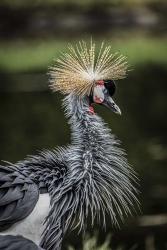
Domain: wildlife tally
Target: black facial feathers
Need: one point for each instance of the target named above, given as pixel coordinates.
(110, 86)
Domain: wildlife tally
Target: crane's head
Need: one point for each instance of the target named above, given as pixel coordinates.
(102, 93)
(86, 71)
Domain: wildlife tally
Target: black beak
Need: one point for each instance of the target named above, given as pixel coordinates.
(108, 102)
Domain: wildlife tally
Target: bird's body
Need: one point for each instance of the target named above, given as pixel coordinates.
(60, 188)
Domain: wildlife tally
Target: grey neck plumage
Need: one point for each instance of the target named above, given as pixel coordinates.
(90, 176)
(98, 178)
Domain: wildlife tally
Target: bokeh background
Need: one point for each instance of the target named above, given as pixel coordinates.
(32, 33)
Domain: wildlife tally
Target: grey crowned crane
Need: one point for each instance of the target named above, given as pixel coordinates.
(44, 195)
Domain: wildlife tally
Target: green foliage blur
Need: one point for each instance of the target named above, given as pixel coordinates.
(90, 243)
(80, 3)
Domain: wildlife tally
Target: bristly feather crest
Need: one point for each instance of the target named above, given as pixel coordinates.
(77, 70)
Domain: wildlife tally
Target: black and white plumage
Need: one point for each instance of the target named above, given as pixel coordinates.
(58, 189)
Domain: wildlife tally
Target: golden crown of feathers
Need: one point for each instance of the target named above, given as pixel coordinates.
(78, 69)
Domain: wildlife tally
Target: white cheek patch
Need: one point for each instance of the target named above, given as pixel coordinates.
(98, 95)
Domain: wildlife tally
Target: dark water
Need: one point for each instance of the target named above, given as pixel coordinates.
(32, 119)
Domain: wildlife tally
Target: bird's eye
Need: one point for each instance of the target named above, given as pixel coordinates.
(110, 86)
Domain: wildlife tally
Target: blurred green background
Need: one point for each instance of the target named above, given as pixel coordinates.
(32, 33)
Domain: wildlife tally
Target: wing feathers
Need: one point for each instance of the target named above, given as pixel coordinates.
(18, 196)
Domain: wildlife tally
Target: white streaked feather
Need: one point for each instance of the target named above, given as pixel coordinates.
(32, 226)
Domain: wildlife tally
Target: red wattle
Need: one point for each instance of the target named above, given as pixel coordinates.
(91, 110)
